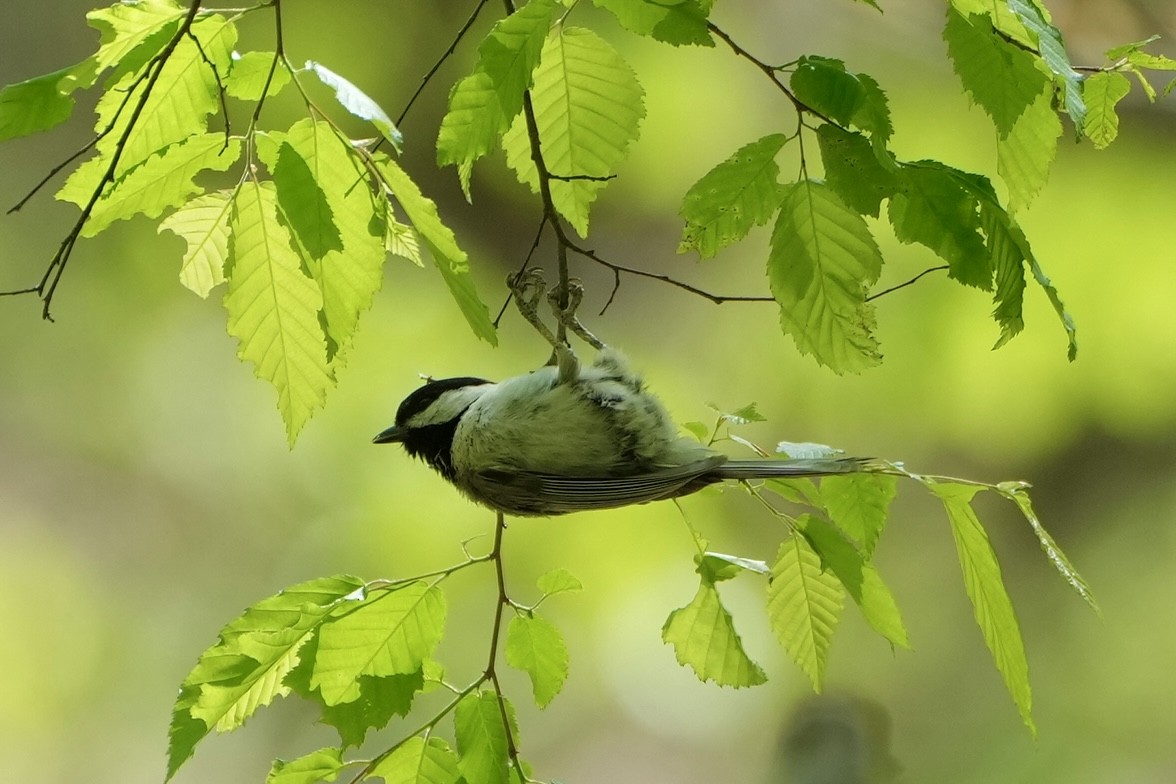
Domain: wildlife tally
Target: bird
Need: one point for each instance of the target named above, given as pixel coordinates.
(569, 438)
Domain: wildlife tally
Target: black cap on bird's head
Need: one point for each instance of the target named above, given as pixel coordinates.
(427, 419)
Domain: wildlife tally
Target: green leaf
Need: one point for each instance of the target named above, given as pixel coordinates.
(741, 192)
(536, 647)
(1001, 77)
(716, 567)
(804, 605)
(449, 259)
(203, 224)
(823, 84)
(357, 102)
(859, 504)
(482, 105)
(380, 698)
(1102, 93)
(249, 73)
(821, 261)
(676, 23)
(389, 633)
(321, 765)
(274, 308)
(588, 106)
(558, 581)
(1023, 157)
(1018, 493)
(418, 761)
(935, 210)
(244, 670)
(124, 27)
(858, 576)
(1048, 40)
(304, 205)
(400, 240)
(323, 194)
(481, 737)
(985, 587)
(853, 171)
(164, 180)
(34, 105)
(703, 637)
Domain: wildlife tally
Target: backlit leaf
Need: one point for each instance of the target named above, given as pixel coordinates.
(1102, 93)
(34, 105)
(537, 648)
(249, 73)
(558, 581)
(203, 223)
(853, 171)
(321, 765)
(804, 606)
(588, 106)
(481, 737)
(418, 761)
(859, 504)
(985, 587)
(703, 637)
(821, 261)
(1024, 155)
(677, 23)
(274, 308)
(741, 192)
(388, 633)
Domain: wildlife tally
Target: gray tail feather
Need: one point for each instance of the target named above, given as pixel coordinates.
(777, 469)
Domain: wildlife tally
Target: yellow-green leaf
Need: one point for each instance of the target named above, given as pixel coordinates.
(703, 637)
(804, 606)
(203, 224)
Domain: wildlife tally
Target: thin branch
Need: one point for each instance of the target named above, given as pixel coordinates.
(575, 177)
(491, 674)
(907, 283)
(465, 28)
(522, 269)
(220, 87)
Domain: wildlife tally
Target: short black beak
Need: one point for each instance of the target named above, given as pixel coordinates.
(392, 435)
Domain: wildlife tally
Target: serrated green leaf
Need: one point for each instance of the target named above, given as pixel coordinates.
(1023, 157)
(1048, 40)
(935, 210)
(703, 637)
(697, 429)
(1001, 77)
(858, 576)
(677, 23)
(400, 240)
(304, 205)
(823, 84)
(1153, 62)
(537, 648)
(357, 102)
(1000, 17)
(390, 633)
(418, 761)
(804, 606)
(126, 26)
(379, 700)
(482, 105)
(249, 73)
(181, 100)
(203, 224)
(164, 180)
(481, 737)
(34, 105)
(325, 201)
(588, 106)
(449, 259)
(251, 656)
(274, 308)
(321, 765)
(822, 259)
(1018, 493)
(558, 581)
(853, 171)
(738, 194)
(859, 505)
(1102, 93)
(985, 587)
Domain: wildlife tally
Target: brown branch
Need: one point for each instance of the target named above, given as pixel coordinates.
(465, 28)
(907, 283)
(522, 269)
(220, 86)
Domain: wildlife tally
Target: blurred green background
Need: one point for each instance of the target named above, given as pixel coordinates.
(147, 494)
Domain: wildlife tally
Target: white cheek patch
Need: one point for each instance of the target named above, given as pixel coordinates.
(449, 405)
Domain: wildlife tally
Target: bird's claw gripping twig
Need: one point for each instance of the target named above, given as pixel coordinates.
(526, 288)
(565, 313)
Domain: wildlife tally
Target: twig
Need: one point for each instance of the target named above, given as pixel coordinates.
(220, 87)
(491, 674)
(465, 28)
(907, 283)
(522, 269)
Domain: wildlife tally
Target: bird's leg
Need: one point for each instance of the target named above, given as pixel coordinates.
(566, 314)
(526, 288)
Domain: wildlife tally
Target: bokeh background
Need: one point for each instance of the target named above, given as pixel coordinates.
(147, 493)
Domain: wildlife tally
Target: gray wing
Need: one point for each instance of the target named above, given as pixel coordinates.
(533, 493)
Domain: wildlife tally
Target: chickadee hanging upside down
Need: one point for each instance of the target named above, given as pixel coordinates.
(566, 439)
